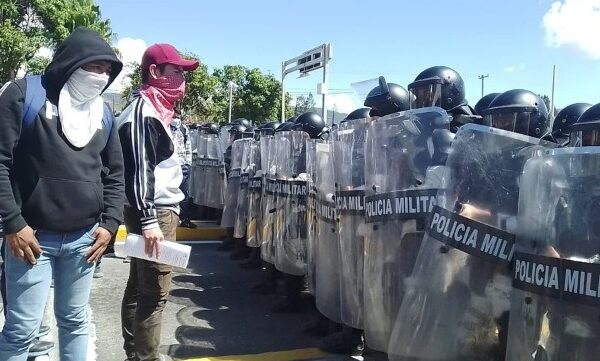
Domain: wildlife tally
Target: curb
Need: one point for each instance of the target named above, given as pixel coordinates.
(202, 233)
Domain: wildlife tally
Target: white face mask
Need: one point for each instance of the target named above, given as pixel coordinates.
(80, 106)
(84, 85)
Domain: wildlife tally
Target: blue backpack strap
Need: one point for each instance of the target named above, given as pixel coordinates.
(107, 121)
(35, 97)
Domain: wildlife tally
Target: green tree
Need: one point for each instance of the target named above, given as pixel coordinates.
(258, 97)
(27, 25)
(135, 79)
(547, 101)
(304, 104)
(20, 37)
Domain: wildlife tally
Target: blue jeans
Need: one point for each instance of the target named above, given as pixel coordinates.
(27, 287)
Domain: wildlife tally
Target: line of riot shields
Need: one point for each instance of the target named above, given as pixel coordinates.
(490, 252)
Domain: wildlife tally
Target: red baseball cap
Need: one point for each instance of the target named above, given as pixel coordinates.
(166, 54)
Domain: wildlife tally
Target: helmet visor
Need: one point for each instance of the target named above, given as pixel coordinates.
(585, 138)
(425, 95)
(512, 121)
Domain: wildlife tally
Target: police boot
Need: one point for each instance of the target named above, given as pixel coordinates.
(293, 301)
(347, 342)
(242, 251)
(254, 262)
(228, 242)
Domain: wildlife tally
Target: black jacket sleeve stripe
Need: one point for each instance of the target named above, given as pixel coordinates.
(142, 140)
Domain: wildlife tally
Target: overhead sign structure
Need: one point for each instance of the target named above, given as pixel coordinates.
(305, 63)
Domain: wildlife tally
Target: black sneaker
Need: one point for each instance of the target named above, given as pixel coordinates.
(188, 224)
(40, 348)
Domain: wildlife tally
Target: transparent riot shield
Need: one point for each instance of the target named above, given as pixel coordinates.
(349, 163)
(247, 171)
(255, 197)
(224, 136)
(233, 183)
(457, 300)
(555, 305)
(292, 192)
(209, 170)
(196, 172)
(327, 251)
(400, 189)
(268, 205)
(311, 216)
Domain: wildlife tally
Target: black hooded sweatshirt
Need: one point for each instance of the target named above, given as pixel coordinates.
(45, 182)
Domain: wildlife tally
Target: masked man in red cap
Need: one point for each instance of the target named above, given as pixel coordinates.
(152, 179)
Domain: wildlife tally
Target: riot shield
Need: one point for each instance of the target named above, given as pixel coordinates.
(292, 194)
(400, 190)
(349, 164)
(209, 172)
(255, 197)
(457, 300)
(224, 136)
(247, 171)
(327, 252)
(268, 205)
(311, 216)
(233, 183)
(555, 304)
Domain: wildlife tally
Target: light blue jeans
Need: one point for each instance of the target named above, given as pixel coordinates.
(27, 287)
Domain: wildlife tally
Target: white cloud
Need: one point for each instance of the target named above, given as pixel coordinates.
(514, 68)
(343, 103)
(575, 23)
(131, 51)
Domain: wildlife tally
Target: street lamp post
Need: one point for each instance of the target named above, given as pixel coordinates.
(232, 86)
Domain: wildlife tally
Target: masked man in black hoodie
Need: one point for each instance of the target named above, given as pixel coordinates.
(61, 191)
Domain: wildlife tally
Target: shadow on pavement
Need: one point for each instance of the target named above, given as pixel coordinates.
(223, 317)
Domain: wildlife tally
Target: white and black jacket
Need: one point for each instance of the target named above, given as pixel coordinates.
(152, 169)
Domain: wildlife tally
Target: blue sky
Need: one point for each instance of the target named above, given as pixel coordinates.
(516, 42)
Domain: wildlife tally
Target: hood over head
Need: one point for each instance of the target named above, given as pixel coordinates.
(81, 47)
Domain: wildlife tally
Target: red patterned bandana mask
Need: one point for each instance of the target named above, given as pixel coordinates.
(163, 93)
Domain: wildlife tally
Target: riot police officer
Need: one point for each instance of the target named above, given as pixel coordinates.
(441, 86)
(229, 211)
(291, 223)
(559, 231)
(563, 121)
(466, 288)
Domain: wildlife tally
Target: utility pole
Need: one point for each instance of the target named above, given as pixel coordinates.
(553, 86)
(482, 78)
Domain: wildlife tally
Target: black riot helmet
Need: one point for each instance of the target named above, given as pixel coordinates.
(519, 111)
(564, 120)
(485, 102)
(292, 119)
(438, 86)
(311, 123)
(243, 121)
(387, 98)
(359, 113)
(285, 127)
(236, 132)
(249, 132)
(210, 128)
(586, 131)
(268, 128)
